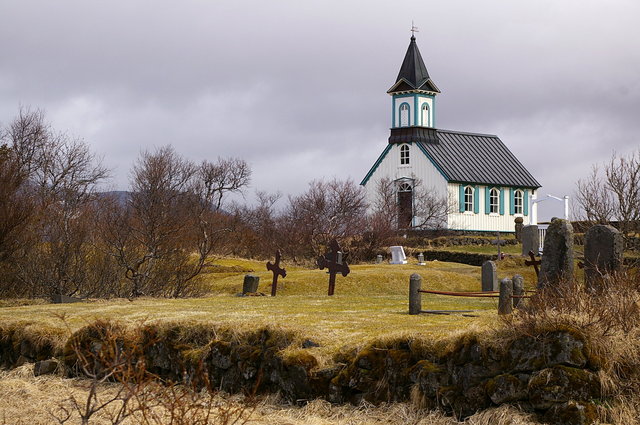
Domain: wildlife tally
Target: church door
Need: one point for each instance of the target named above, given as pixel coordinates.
(405, 206)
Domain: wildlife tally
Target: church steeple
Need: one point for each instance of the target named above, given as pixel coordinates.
(413, 92)
(413, 73)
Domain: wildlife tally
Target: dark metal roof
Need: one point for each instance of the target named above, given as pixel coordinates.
(476, 158)
(413, 134)
(413, 72)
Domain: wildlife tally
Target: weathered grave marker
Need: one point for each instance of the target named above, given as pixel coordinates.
(518, 289)
(277, 271)
(603, 249)
(415, 296)
(334, 263)
(505, 302)
(489, 276)
(421, 259)
(378, 259)
(533, 262)
(250, 284)
(557, 262)
(530, 240)
(397, 255)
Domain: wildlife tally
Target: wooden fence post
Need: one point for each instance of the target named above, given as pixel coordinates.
(415, 296)
(505, 302)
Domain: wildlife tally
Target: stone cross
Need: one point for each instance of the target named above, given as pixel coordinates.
(332, 260)
(557, 262)
(603, 249)
(499, 242)
(277, 271)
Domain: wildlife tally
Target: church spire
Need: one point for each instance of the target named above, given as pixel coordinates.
(414, 93)
(413, 73)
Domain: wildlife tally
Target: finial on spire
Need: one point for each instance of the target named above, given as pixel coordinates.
(414, 30)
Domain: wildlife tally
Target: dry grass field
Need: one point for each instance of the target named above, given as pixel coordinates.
(370, 303)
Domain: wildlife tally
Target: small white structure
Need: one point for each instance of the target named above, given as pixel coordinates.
(397, 255)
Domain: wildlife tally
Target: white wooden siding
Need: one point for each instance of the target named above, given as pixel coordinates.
(482, 221)
(419, 167)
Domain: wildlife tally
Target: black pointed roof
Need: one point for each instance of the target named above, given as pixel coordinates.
(413, 73)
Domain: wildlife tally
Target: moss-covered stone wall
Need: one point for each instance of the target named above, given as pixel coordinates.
(550, 374)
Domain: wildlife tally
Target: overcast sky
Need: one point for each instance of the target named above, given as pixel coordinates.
(298, 88)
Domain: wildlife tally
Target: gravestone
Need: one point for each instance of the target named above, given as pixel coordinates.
(421, 259)
(489, 276)
(505, 302)
(378, 259)
(603, 248)
(397, 255)
(557, 262)
(518, 227)
(250, 284)
(518, 289)
(415, 296)
(530, 240)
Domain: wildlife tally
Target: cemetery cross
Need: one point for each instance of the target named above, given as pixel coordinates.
(535, 263)
(332, 260)
(277, 271)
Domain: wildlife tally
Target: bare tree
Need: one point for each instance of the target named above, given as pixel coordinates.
(429, 208)
(61, 176)
(328, 210)
(595, 200)
(173, 213)
(615, 194)
(221, 178)
(16, 206)
(623, 180)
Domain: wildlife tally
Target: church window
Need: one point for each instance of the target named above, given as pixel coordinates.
(404, 155)
(425, 115)
(468, 199)
(494, 201)
(518, 201)
(404, 115)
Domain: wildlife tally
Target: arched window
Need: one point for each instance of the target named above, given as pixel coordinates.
(404, 115)
(518, 198)
(405, 205)
(425, 115)
(494, 201)
(468, 199)
(404, 155)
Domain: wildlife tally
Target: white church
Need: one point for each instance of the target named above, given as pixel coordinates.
(485, 185)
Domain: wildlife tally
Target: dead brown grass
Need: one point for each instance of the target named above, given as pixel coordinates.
(29, 400)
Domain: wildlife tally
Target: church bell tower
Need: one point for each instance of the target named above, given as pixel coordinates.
(413, 99)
